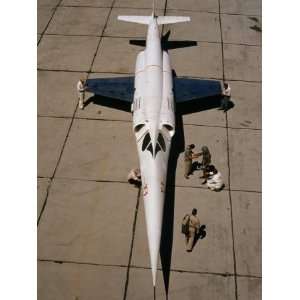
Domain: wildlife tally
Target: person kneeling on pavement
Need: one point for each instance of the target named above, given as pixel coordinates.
(134, 177)
(214, 180)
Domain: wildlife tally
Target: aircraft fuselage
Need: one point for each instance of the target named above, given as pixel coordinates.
(154, 126)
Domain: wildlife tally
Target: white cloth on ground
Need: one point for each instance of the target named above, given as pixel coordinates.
(215, 181)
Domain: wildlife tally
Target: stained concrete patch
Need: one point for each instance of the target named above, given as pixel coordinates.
(44, 15)
(182, 286)
(194, 5)
(51, 136)
(78, 226)
(99, 150)
(242, 62)
(245, 159)
(92, 3)
(239, 30)
(246, 112)
(115, 55)
(74, 53)
(94, 111)
(214, 253)
(78, 21)
(57, 93)
(193, 30)
(246, 210)
(42, 187)
(249, 288)
(204, 60)
(125, 29)
(252, 7)
(159, 4)
(75, 282)
(216, 140)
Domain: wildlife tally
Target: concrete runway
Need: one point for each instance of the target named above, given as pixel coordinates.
(92, 240)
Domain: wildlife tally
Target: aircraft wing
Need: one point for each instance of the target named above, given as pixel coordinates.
(186, 89)
(121, 88)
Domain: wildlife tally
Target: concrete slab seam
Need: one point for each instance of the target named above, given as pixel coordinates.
(100, 40)
(128, 121)
(141, 37)
(125, 182)
(228, 162)
(128, 73)
(54, 11)
(132, 243)
(178, 9)
(145, 268)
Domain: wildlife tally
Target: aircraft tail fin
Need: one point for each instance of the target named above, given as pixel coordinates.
(172, 19)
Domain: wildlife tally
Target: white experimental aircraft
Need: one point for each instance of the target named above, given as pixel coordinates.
(151, 95)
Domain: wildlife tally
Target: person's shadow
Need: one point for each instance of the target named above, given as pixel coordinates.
(201, 235)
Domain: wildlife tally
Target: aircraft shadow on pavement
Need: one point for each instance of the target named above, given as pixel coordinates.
(194, 106)
(109, 102)
(202, 104)
(177, 146)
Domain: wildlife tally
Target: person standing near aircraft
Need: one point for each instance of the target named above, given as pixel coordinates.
(80, 92)
(188, 160)
(194, 228)
(226, 97)
(206, 160)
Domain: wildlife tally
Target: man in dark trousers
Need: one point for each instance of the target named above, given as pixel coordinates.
(188, 160)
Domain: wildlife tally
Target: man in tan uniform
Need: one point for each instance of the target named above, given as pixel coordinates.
(194, 228)
(188, 160)
(80, 92)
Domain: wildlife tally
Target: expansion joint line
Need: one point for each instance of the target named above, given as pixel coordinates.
(101, 36)
(132, 243)
(54, 11)
(73, 116)
(228, 161)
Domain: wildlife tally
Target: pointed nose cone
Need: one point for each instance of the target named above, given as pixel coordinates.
(153, 203)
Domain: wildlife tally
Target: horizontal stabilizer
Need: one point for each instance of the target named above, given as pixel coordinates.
(171, 19)
(136, 19)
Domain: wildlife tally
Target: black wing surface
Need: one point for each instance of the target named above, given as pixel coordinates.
(195, 95)
(120, 88)
(186, 89)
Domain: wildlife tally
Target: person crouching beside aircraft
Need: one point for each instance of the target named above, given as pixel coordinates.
(215, 180)
(188, 160)
(134, 177)
(194, 228)
(80, 92)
